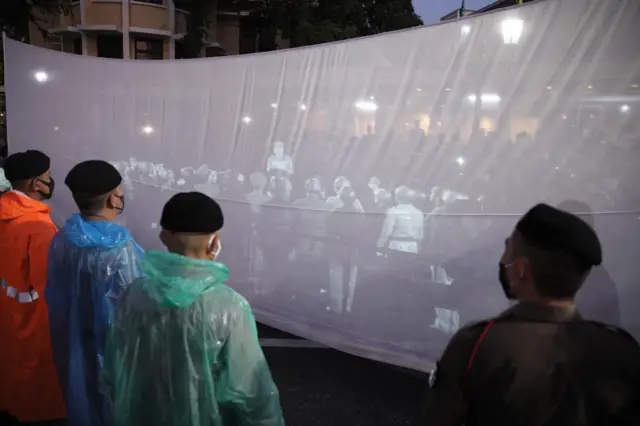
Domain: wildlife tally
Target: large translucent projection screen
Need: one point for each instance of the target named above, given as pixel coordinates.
(369, 185)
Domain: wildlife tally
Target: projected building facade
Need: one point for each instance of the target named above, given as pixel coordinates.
(140, 29)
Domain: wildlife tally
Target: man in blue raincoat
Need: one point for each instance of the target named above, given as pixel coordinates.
(91, 261)
(183, 347)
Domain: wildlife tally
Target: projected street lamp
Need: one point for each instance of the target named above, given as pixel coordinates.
(147, 130)
(465, 30)
(367, 106)
(303, 107)
(461, 161)
(246, 119)
(512, 30)
(41, 76)
(625, 108)
(274, 105)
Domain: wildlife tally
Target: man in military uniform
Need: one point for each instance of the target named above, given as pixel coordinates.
(539, 363)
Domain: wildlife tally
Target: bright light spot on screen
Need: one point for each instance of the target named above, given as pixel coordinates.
(368, 106)
(246, 119)
(589, 87)
(147, 130)
(625, 108)
(635, 86)
(372, 98)
(466, 29)
(41, 76)
(490, 98)
(274, 105)
(485, 98)
(461, 161)
(447, 89)
(549, 87)
(418, 89)
(564, 117)
(303, 107)
(55, 129)
(512, 30)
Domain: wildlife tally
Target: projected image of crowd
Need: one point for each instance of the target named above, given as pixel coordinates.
(353, 234)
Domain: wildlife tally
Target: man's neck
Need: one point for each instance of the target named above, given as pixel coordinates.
(33, 195)
(552, 303)
(103, 216)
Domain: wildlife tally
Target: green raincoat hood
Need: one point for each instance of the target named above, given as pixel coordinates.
(176, 281)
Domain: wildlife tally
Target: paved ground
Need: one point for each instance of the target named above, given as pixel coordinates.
(325, 387)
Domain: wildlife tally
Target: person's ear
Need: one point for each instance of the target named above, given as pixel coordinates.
(521, 266)
(114, 201)
(212, 245)
(32, 185)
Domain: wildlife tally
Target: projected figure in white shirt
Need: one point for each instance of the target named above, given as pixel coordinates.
(280, 166)
(403, 228)
(345, 224)
(256, 199)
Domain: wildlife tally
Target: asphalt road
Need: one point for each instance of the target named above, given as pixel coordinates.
(324, 387)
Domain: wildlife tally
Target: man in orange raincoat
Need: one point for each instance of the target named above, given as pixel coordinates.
(29, 389)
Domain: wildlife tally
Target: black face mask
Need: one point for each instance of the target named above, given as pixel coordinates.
(50, 185)
(504, 281)
(120, 209)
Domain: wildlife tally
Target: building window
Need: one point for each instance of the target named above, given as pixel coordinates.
(149, 48)
(160, 2)
(109, 46)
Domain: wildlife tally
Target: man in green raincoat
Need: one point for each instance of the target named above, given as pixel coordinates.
(183, 347)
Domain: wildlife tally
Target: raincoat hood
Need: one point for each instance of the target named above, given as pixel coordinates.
(99, 234)
(14, 205)
(176, 281)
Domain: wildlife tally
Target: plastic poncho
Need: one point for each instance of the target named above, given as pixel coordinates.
(5, 185)
(183, 350)
(90, 264)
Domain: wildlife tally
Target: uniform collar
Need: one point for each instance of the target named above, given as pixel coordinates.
(538, 312)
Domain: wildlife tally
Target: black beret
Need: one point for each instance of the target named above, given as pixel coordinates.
(552, 229)
(192, 212)
(93, 177)
(26, 165)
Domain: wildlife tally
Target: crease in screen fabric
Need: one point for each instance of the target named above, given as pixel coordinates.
(90, 264)
(183, 350)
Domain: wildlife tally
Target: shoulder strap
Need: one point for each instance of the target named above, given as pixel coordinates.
(476, 346)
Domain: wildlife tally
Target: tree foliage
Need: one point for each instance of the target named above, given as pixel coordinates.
(307, 22)
(199, 19)
(15, 15)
